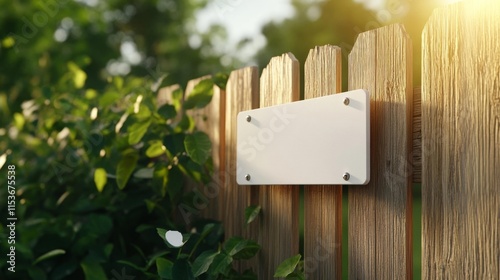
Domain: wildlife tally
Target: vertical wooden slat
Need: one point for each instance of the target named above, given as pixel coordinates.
(416, 157)
(380, 213)
(242, 93)
(279, 231)
(323, 204)
(211, 120)
(461, 142)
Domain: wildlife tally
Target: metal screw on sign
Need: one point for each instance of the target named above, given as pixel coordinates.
(346, 101)
(249, 118)
(346, 176)
(247, 177)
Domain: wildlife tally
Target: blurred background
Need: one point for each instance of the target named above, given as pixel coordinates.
(42, 41)
(185, 39)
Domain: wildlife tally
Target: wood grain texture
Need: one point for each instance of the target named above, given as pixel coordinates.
(211, 120)
(416, 156)
(279, 226)
(380, 213)
(242, 93)
(461, 148)
(323, 204)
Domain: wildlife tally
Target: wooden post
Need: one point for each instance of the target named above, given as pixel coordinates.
(461, 142)
(279, 231)
(242, 93)
(416, 156)
(380, 223)
(323, 204)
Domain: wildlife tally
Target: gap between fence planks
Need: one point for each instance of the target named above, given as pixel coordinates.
(323, 204)
(279, 226)
(242, 93)
(461, 147)
(380, 223)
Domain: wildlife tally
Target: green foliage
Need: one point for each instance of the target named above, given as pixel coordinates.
(291, 268)
(213, 261)
(198, 146)
(97, 172)
(38, 38)
(251, 213)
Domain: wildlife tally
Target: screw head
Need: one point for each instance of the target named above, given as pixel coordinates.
(346, 176)
(249, 118)
(247, 177)
(346, 101)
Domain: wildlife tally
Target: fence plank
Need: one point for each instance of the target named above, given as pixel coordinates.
(416, 157)
(380, 213)
(323, 204)
(279, 231)
(242, 93)
(211, 120)
(461, 147)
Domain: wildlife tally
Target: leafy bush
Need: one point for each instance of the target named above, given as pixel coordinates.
(98, 172)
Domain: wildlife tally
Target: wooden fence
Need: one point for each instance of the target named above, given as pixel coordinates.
(446, 136)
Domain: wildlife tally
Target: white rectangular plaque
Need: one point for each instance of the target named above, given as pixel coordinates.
(318, 141)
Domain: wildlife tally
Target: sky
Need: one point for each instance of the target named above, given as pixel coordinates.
(245, 18)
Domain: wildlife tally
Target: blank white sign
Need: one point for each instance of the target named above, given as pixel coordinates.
(310, 142)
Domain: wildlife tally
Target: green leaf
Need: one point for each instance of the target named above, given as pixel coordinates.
(155, 149)
(118, 82)
(8, 42)
(154, 257)
(251, 212)
(182, 270)
(296, 276)
(93, 270)
(164, 268)
(79, 76)
(132, 265)
(19, 121)
(186, 124)
(125, 168)
(178, 98)
(221, 264)
(144, 173)
(108, 98)
(137, 131)
(220, 79)
(201, 95)
(90, 93)
(234, 244)
(240, 248)
(203, 262)
(143, 112)
(249, 251)
(100, 178)
(49, 255)
(150, 205)
(161, 232)
(287, 266)
(198, 146)
(167, 111)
